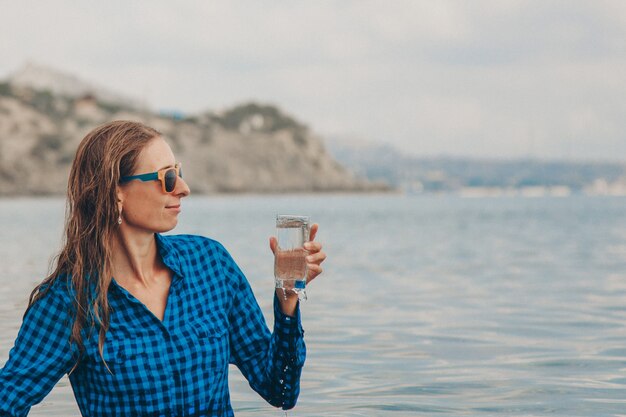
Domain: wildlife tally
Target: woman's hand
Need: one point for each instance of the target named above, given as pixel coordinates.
(313, 262)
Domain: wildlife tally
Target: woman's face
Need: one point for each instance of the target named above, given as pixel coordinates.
(145, 207)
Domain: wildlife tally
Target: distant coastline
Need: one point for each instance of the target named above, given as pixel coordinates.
(480, 177)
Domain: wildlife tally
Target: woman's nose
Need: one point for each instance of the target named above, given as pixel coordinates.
(182, 189)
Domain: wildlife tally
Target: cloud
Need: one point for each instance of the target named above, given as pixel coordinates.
(486, 78)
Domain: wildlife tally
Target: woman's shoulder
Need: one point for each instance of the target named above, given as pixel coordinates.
(61, 285)
(57, 292)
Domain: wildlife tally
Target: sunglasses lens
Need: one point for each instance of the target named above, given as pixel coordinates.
(170, 180)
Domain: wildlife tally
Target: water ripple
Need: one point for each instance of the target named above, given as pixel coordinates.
(429, 305)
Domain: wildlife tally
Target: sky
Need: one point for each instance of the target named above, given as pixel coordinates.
(480, 78)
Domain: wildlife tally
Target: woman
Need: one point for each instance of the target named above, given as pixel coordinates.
(146, 324)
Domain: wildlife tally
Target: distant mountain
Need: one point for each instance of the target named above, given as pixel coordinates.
(43, 78)
(251, 147)
(470, 175)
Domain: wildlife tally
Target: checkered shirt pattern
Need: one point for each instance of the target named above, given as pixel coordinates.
(174, 367)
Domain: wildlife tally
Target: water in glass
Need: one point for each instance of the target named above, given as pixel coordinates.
(290, 268)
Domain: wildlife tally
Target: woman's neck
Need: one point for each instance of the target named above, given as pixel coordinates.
(135, 258)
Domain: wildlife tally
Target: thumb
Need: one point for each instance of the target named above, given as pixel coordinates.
(273, 244)
(313, 232)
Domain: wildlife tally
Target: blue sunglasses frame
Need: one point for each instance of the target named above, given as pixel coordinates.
(157, 176)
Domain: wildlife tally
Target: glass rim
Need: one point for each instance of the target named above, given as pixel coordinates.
(292, 220)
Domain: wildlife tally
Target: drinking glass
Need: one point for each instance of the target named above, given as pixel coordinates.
(290, 268)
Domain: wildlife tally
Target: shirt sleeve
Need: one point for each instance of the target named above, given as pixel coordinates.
(40, 356)
(271, 362)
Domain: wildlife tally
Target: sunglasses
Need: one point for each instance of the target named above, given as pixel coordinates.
(167, 176)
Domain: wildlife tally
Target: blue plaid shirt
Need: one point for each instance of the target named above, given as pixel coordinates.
(174, 367)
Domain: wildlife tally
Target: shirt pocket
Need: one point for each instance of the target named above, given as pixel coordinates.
(125, 359)
(130, 350)
(212, 345)
(119, 352)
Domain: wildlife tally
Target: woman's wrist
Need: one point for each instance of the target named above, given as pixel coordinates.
(288, 301)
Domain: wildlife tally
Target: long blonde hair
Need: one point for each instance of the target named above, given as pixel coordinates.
(104, 155)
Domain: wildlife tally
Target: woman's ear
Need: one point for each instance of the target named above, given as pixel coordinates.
(120, 197)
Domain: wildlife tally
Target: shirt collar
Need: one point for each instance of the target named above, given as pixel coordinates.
(169, 254)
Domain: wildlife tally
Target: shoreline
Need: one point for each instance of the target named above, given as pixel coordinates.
(464, 194)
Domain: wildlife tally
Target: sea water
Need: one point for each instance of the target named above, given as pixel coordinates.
(428, 304)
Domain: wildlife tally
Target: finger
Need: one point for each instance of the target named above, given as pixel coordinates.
(314, 271)
(316, 258)
(273, 244)
(313, 247)
(313, 231)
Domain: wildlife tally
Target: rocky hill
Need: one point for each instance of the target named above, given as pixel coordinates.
(248, 148)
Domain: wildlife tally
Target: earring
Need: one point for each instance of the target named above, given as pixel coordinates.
(119, 220)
